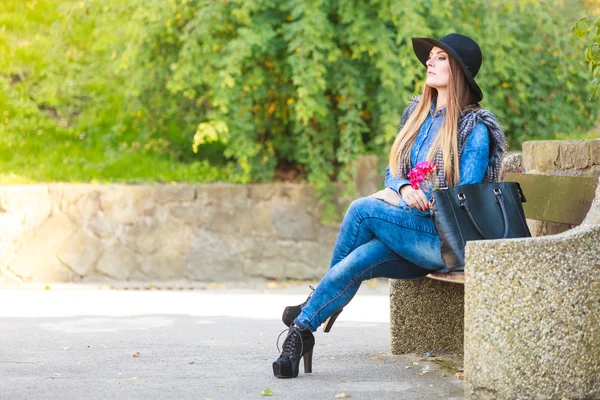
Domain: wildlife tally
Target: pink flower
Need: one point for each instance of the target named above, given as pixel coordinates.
(421, 172)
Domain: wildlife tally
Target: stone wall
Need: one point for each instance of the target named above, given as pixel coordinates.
(212, 232)
(560, 157)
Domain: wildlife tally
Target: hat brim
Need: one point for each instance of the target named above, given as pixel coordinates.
(422, 48)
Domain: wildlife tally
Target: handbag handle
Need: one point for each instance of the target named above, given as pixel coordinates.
(499, 199)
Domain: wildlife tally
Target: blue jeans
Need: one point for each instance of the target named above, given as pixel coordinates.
(376, 240)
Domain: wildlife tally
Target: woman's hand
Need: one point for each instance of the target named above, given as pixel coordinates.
(387, 195)
(414, 198)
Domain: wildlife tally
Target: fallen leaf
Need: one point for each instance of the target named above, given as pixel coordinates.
(459, 374)
(133, 378)
(212, 285)
(66, 348)
(266, 392)
(376, 358)
(408, 366)
(430, 385)
(272, 285)
(137, 354)
(222, 287)
(56, 374)
(415, 363)
(342, 396)
(47, 287)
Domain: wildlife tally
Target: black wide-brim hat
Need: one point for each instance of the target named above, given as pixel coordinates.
(462, 48)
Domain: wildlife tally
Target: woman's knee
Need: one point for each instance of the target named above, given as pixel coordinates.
(361, 206)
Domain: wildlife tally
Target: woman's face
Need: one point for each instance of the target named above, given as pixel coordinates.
(438, 69)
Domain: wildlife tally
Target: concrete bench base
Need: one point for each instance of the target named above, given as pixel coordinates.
(532, 326)
(426, 315)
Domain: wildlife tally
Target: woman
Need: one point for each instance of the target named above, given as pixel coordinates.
(391, 233)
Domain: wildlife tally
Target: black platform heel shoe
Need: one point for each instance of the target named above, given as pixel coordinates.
(329, 321)
(291, 312)
(298, 344)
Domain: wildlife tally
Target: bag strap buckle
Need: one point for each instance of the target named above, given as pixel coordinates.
(462, 198)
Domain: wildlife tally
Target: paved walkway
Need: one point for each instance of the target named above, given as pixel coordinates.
(213, 342)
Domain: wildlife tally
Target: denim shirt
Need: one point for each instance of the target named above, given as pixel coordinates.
(473, 161)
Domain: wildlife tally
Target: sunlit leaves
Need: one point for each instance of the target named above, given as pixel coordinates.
(592, 55)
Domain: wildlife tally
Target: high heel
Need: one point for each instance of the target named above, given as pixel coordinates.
(329, 321)
(298, 344)
(308, 361)
(291, 312)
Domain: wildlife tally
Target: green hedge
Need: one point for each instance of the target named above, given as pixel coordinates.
(592, 55)
(235, 89)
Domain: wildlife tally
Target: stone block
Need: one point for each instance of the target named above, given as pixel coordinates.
(540, 155)
(292, 222)
(118, 262)
(142, 235)
(167, 263)
(53, 271)
(174, 193)
(513, 163)
(223, 195)
(37, 255)
(595, 152)
(574, 154)
(8, 278)
(264, 268)
(367, 179)
(55, 194)
(80, 202)
(211, 258)
(30, 204)
(80, 252)
(125, 204)
(195, 213)
(317, 255)
(254, 221)
(426, 315)
(531, 317)
(102, 227)
(298, 270)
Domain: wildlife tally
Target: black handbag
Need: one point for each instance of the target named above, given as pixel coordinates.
(476, 212)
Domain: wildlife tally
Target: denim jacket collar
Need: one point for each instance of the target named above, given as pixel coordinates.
(440, 112)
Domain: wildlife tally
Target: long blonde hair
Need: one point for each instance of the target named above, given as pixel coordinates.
(459, 97)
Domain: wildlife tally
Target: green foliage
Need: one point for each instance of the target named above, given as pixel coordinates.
(159, 90)
(592, 55)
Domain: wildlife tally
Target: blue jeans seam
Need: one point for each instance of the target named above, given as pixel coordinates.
(395, 223)
(350, 284)
(355, 234)
(359, 223)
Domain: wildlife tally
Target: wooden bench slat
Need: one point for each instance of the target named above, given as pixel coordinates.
(453, 277)
(564, 199)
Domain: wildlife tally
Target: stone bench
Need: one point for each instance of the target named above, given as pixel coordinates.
(530, 323)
